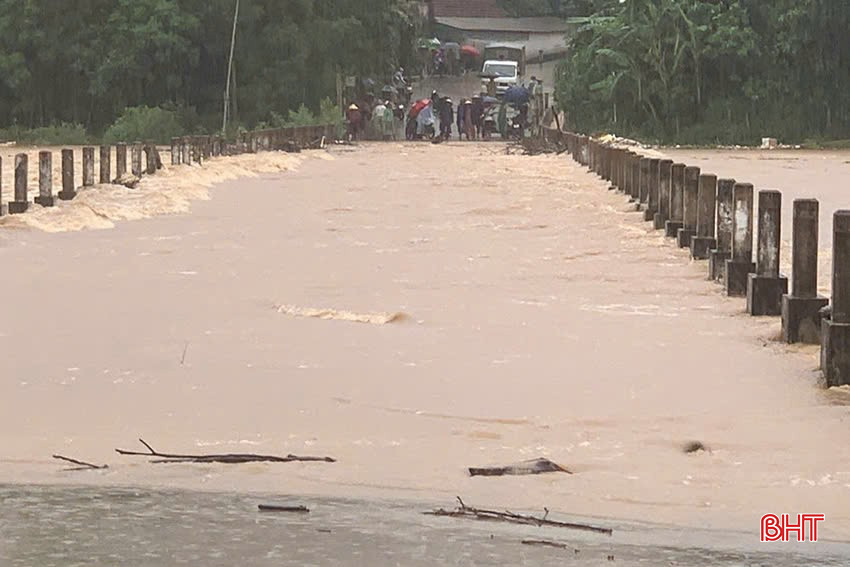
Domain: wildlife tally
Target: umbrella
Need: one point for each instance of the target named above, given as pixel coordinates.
(490, 100)
(516, 95)
(418, 106)
(470, 50)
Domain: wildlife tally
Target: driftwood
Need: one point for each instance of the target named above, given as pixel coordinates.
(536, 145)
(694, 447)
(547, 543)
(277, 508)
(83, 466)
(228, 458)
(464, 511)
(128, 180)
(532, 466)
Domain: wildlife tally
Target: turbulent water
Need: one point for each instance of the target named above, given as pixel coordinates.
(523, 311)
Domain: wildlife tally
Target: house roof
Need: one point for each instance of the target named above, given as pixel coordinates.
(466, 9)
(534, 25)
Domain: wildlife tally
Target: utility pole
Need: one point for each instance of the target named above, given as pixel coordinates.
(229, 70)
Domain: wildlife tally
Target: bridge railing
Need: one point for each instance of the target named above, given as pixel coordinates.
(715, 220)
(145, 159)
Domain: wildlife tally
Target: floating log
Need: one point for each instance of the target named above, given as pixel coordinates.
(532, 466)
(464, 511)
(228, 458)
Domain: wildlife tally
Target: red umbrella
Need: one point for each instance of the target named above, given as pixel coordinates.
(418, 106)
(470, 50)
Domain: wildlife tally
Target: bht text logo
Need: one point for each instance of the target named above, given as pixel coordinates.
(780, 528)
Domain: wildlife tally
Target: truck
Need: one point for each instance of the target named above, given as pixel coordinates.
(505, 63)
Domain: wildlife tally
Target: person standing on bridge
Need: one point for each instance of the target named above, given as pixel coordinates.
(354, 119)
(477, 112)
(468, 127)
(460, 111)
(446, 118)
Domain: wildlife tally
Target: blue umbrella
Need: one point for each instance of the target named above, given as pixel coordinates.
(516, 95)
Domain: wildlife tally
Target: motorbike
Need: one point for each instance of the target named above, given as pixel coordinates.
(516, 129)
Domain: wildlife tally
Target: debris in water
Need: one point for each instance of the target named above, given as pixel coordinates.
(464, 511)
(532, 466)
(128, 180)
(83, 466)
(547, 543)
(694, 447)
(228, 458)
(277, 508)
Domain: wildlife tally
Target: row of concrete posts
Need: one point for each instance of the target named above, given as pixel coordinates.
(45, 198)
(713, 218)
(145, 160)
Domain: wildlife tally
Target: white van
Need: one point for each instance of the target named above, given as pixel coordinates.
(506, 72)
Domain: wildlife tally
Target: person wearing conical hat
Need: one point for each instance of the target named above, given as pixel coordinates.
(468, 126)
(355, 117)
(446, 118)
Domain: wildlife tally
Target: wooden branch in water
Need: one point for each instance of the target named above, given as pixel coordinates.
(547, 543)
(277, 508)
(464, 511)
(84, 466)
(228, 458)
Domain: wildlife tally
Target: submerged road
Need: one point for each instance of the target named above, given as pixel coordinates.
(412, 310)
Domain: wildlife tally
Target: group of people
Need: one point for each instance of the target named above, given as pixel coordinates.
(380, 117)
(469, 116)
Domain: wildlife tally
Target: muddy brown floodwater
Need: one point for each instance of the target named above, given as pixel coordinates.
(412, 310)
(798, 174)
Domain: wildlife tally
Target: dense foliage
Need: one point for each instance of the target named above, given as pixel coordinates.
(86, 61)
(697, 71)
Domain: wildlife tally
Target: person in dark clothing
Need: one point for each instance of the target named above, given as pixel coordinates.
(460, 110)
(477, 115)
(447, 116)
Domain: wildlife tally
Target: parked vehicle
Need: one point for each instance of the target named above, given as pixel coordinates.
(505, 73)
(506, 52)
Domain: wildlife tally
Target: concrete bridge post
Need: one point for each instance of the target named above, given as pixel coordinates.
(88, 166)
(663, 213)
(835, 329)
(150, 158)
(741, 264)
(652, 191)
(105, 163)
(689, 207)
(45, 179)
(677, 195)
(21, 202)
(136, 159)
(723, 251)
(120, 160)
(801, 318)
(766, 287)
(704, 240)
(68, 191)
(643, 198)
